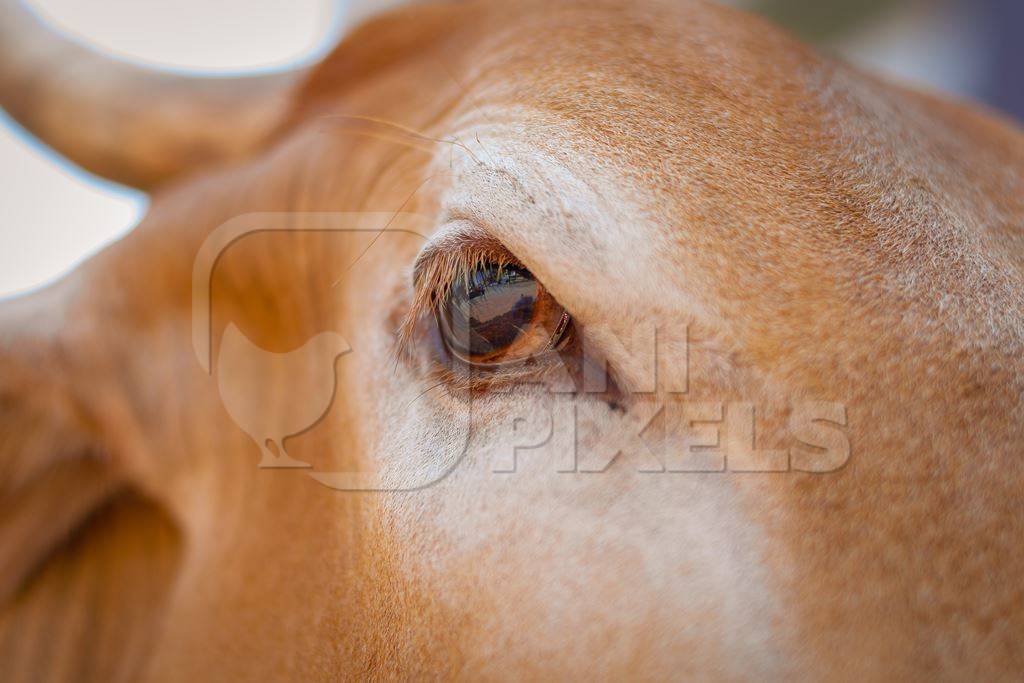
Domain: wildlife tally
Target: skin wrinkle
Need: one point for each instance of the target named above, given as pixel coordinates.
(824, 236)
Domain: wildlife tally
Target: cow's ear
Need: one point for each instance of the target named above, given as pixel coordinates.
(84, 559)
(52, 473)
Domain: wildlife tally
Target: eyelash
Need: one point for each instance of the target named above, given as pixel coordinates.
(435, 272)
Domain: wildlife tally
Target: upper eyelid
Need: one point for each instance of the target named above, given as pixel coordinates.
(454, 251)
(457, 236)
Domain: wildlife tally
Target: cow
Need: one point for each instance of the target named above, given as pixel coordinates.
(815, 473)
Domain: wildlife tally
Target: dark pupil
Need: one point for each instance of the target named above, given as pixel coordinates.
(488, 313)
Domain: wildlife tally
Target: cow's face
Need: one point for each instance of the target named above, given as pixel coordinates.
(547, 281)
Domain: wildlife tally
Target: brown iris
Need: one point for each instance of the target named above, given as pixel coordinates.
(500, 314)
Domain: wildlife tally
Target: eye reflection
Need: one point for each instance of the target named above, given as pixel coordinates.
(493, 308)
(500, 314)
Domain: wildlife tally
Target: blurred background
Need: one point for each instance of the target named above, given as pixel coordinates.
(54, 215)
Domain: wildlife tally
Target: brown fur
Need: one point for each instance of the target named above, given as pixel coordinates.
(825, 235)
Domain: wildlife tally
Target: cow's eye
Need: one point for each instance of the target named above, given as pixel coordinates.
(496, 315)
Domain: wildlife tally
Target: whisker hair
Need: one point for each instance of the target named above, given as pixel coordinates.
(389, 131)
